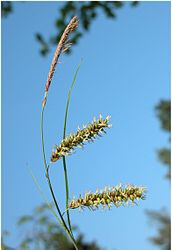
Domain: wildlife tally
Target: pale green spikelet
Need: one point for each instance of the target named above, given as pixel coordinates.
(88, 133)
(118, 196)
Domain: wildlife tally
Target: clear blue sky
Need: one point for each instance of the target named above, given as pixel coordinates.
(125, 73)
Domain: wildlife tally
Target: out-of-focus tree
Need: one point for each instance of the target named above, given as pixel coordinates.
(41, 232)
(3, 245)
(163, 110)
(86, 11)
(161, 219)
(6, 8)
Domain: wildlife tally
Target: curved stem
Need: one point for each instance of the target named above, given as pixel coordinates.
(42, 139)
(50, 185)
(64, 159)
(67, 193)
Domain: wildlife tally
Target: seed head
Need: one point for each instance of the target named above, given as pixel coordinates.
(88, 133)
(116, 195)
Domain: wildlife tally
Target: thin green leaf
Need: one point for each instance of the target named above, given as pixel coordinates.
(64, 135)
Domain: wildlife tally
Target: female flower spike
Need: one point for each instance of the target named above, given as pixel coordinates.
(88, 133)
(116, 195)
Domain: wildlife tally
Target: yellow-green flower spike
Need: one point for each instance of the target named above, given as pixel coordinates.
(109, 196)
(88, 133)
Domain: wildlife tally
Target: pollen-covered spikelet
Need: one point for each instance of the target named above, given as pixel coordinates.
(88, 133)
(118, 196)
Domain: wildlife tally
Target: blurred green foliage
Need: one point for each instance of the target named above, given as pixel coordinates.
(163, 111)
(4, 246)
(41, 232)
(6, 8)
(86, 11)
(161, 219)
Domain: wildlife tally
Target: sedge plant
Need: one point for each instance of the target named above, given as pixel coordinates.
(118, 195)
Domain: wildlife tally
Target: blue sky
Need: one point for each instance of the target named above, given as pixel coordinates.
(125, 73)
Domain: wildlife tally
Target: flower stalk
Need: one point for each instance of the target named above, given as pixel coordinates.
(62, 47)
(118, 195)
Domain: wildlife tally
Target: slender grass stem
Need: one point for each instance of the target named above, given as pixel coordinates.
(45, 198)
(60, 48)
(64, 159)
(42, 139)
(67, 193)
(63, 223)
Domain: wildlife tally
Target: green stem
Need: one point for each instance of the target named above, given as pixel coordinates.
(50, 185)
(67, 193)
(45, 199)
(42, 139)
(64, 159)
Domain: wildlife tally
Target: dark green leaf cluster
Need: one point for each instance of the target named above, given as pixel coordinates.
(44, 46)
(162, 221)
(6, 8)
(163, 110)
(164, 155)
(87, 12)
